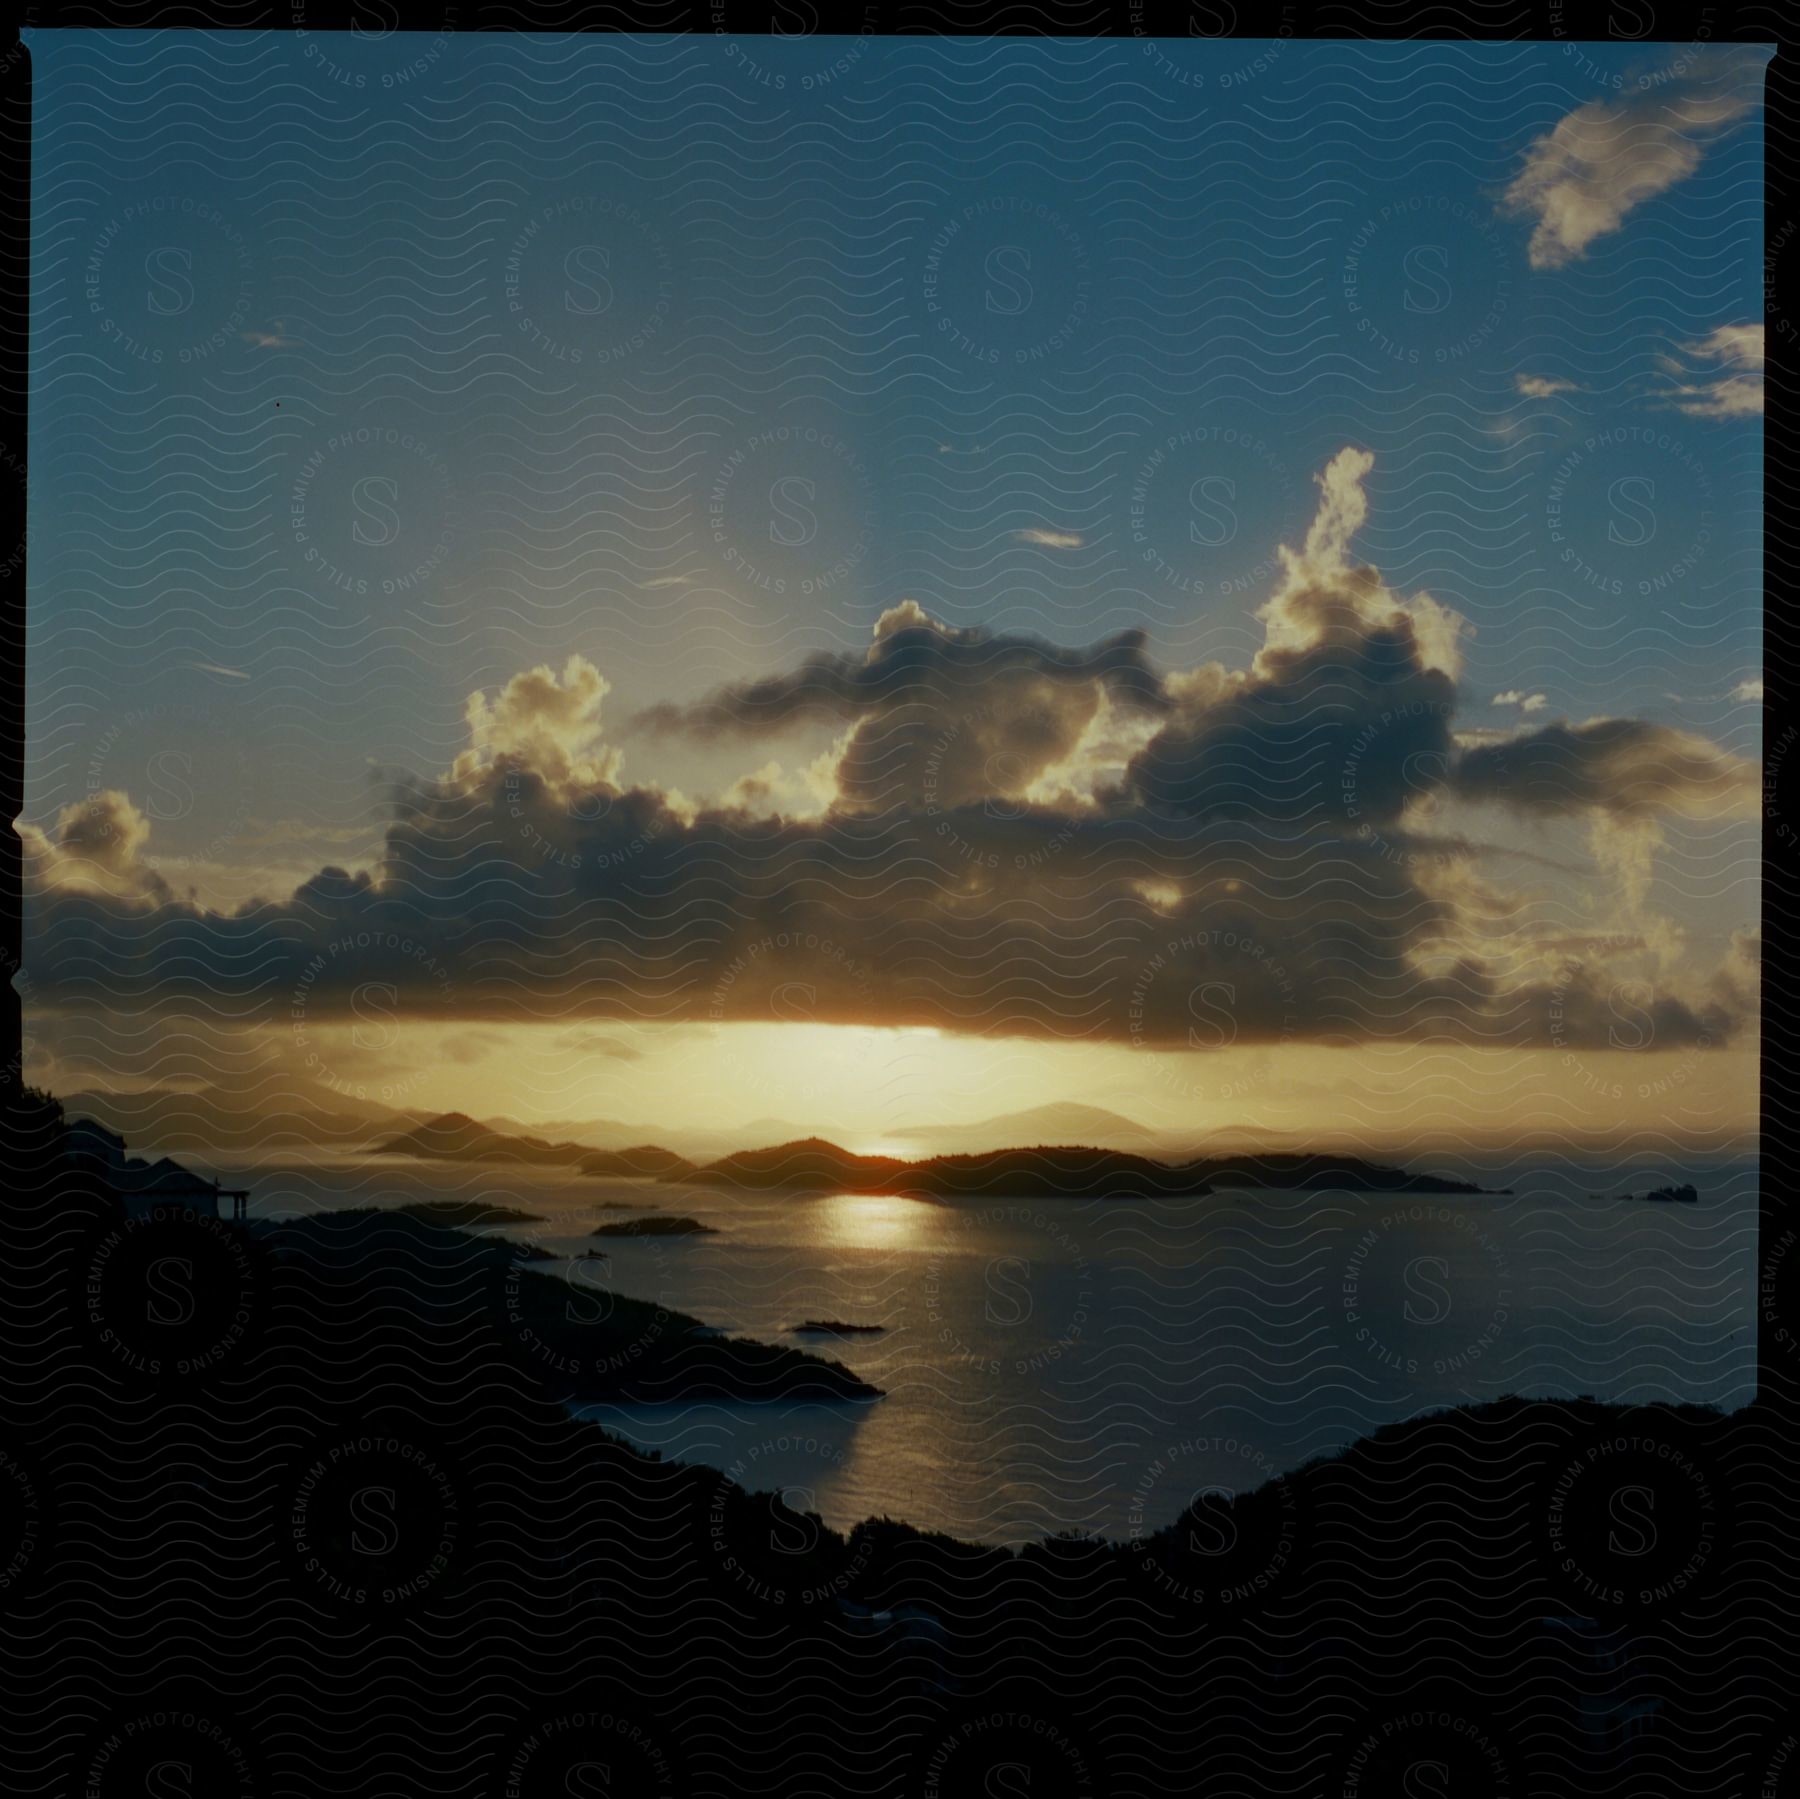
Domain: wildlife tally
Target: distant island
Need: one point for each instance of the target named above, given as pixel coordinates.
(1304, 1172)
(661, 1226)
(467, 1214)
(812, 1165)
(1685, 1196)
(816, 1165)
(456, 1137)
(829, 1327)
(644, 1162)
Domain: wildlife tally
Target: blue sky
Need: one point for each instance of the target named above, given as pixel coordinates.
(368, 373)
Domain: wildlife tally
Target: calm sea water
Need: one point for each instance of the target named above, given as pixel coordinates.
(1094, 1365)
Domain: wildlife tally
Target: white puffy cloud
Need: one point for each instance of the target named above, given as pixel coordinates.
(96, 846)
(1606, 158)
(1720, 376)
(544, 723)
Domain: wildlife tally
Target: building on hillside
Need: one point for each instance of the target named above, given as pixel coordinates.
(142, 1186)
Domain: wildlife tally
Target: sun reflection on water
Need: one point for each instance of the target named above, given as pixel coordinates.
(873, 1220)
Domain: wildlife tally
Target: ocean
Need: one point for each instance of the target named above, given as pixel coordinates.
(1092, 1365)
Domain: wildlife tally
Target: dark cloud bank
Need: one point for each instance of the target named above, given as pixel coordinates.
(1019, 839)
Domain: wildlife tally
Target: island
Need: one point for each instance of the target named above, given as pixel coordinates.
(812, 1165)
(396, 1268)
(467, 1214)
(455, 1137)
(648, 1161)
(829, 1327)
(660, 1226)
(1684, 1195)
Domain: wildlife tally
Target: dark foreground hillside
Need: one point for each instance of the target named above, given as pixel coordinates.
(288, 1512)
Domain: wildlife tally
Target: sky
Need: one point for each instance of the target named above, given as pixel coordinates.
(864, 581)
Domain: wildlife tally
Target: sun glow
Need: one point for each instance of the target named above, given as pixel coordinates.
(874, 1220)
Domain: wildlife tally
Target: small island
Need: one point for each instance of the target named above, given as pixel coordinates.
(645, 1162)
(467, 1214)
(660, 1226)
(1058, 1171)
(394, 1267)
(829, 1327)
(1683, 1195)
(455, 1137)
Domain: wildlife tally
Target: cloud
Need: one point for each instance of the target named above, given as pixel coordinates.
(1345, 714)
(546, 724)
(1543, 387)
(939, 715)
(1526, 702)
(1626, 767)
(1721, 375)
(1051, 540)
(1739, 344)
(1606, 158)
(1006, 837)
(602, 1044)
(96, 846)
(1751, 689)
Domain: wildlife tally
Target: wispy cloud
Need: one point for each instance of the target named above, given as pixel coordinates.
(1051, 540)
(1517, 696)
(1543, 387)
(1605, 159)
(1720, 376)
